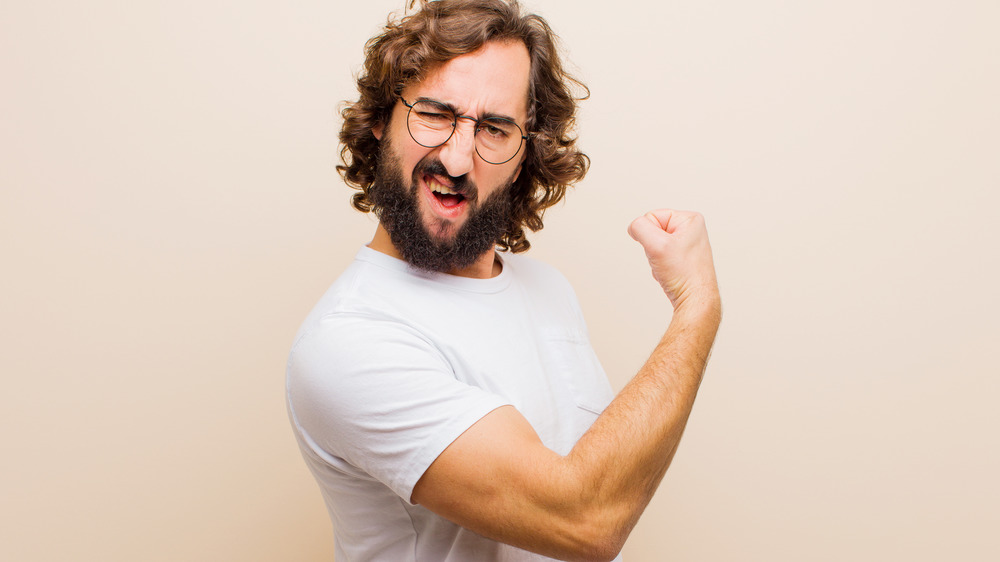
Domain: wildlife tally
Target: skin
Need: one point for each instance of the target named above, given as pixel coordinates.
(497, 478)
(493, 79)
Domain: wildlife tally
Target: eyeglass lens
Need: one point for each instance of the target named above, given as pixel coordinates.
(431, 124)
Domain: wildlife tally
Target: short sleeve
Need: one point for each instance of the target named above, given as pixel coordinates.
(376, 394)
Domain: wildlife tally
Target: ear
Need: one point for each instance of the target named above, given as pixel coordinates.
(377, 130)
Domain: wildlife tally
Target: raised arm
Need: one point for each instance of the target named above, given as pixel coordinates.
(500, 481)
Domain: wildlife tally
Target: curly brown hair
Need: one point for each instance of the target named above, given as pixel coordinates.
(412, 47)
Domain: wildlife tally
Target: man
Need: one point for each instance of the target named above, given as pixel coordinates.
(445, 395)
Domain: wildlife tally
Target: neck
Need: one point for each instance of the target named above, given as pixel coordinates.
(485, 267)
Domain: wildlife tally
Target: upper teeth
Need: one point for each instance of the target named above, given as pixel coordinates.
(440, 188)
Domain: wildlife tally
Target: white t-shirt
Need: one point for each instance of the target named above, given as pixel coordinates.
(393, 364)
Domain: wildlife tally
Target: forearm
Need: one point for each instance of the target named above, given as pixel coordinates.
(624, 455)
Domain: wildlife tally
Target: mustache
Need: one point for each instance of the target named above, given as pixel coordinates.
(433, 167)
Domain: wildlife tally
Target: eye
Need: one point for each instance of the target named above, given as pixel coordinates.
(496, 129)
(433, 116)
(433, 113)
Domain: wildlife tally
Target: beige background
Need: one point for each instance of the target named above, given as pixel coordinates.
(170, 213)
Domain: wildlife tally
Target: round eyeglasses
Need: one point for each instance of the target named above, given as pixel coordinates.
(431, 123)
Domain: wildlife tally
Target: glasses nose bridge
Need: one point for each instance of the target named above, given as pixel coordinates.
(471, 119)
(457, 126)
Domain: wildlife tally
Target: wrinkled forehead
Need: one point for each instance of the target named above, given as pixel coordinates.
(493, 79)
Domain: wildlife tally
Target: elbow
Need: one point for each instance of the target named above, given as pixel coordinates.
(588, 522)
(598, 549)
(599, 537)
(602, 550)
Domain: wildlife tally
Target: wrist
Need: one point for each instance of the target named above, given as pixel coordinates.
(703, 308)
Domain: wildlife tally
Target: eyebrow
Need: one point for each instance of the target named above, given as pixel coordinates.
(485, 117)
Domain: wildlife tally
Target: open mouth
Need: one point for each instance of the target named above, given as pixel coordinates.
(445, 195)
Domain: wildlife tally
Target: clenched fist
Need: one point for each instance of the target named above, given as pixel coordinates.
(676, 245)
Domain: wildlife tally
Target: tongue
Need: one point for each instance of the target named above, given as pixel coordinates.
(449, 200)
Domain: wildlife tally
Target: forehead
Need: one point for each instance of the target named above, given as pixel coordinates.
(492, 79)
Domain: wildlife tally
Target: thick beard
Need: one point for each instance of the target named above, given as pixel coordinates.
(395, 203)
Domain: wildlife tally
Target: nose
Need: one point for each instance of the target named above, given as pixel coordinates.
(459, 154)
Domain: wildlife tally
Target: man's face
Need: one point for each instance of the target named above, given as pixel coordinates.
(454, 202)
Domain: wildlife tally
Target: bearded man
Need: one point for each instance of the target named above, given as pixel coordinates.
(443, 391)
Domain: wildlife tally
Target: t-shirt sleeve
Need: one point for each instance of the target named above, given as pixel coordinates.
(378, 395)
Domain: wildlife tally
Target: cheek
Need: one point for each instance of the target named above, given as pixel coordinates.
(405, 153)
(497, 178)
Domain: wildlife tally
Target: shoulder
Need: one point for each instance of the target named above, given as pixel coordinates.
(364, 292)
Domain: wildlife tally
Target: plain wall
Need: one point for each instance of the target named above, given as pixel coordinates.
(170, 212)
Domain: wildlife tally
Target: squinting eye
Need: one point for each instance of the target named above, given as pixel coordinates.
(433, 116)
(493, 130)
